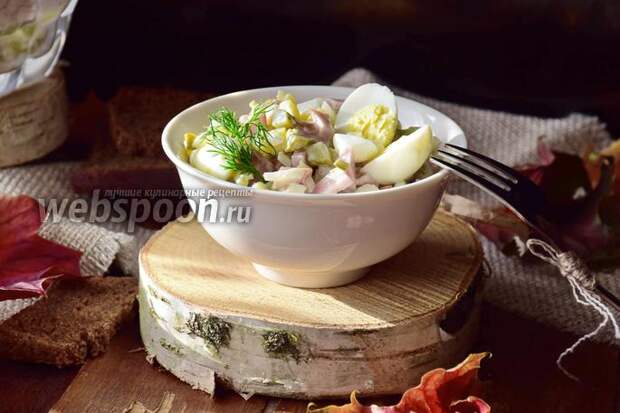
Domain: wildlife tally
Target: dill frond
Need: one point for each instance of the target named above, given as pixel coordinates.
(236, 141)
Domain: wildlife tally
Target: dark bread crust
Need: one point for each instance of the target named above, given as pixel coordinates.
(124, 172)
(76, 320)
(131, 157)
(138, 115)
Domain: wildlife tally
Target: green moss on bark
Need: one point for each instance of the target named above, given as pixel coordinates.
(170, 347)
(213, 330)
(281, 344)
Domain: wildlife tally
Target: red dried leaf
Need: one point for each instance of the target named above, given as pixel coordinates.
(439, 391)
(18, 213)
(545, 158)
(564, 179)
(28, 263)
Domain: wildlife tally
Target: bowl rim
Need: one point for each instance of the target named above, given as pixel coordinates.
(435, 178)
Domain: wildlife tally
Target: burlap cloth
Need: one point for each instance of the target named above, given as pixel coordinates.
(534, 291)
(100, 245)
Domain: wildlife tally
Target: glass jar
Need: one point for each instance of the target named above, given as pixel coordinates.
(32, 35)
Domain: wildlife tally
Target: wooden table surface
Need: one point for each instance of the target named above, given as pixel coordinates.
(520, 377)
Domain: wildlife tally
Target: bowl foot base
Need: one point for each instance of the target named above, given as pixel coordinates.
(313, 279)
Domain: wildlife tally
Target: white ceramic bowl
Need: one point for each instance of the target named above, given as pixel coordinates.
(308, 240)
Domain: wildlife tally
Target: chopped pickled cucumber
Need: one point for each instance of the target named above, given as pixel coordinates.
(295, 141)
(318, 154)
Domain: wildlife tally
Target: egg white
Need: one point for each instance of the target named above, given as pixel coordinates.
(209, 162)
(365, 95)
(402, 158)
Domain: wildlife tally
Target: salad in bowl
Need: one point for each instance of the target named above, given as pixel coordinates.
(338, 178)
(318, 146)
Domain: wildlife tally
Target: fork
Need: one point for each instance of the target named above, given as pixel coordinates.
(511, 188)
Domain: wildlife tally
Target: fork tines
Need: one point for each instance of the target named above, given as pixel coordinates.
(489, 164)
(516, 191)
(475, 168)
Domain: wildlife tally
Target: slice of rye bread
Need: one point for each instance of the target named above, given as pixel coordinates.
(106, 168)
(125, 172)
(138, 115)
(128, 154)
(76, 320)
(113, 176)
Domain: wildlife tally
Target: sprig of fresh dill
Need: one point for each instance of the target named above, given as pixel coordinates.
(235, 141)
(257, 131)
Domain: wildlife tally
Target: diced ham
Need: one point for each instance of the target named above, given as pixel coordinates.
(334, 103)
(262, 164)
(297, 158)
(324, 127)
(319, 126)
(335, 181)
(345, 153)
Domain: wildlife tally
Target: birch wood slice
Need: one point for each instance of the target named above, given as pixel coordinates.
(205, 314)
(33, 121)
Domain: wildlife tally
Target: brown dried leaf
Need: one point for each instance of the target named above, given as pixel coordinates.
(439, 391)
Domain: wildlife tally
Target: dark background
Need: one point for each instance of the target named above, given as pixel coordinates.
(530, 56)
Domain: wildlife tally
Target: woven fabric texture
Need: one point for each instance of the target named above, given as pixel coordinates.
(100, 246)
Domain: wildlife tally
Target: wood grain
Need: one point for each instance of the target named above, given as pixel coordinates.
(31, 388)
(184, 261)
(113, 381)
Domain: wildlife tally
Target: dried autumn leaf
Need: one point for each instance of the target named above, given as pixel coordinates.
(585, 211)
(439, 391)
(497, 224)
(28, 262)
(545, 158)
(592, 163)
(564, 180)
(579, 203)
(609, 208)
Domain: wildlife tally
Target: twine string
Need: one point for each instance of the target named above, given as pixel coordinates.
(582, 284)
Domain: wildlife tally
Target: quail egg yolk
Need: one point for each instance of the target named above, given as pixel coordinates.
(374, 122)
